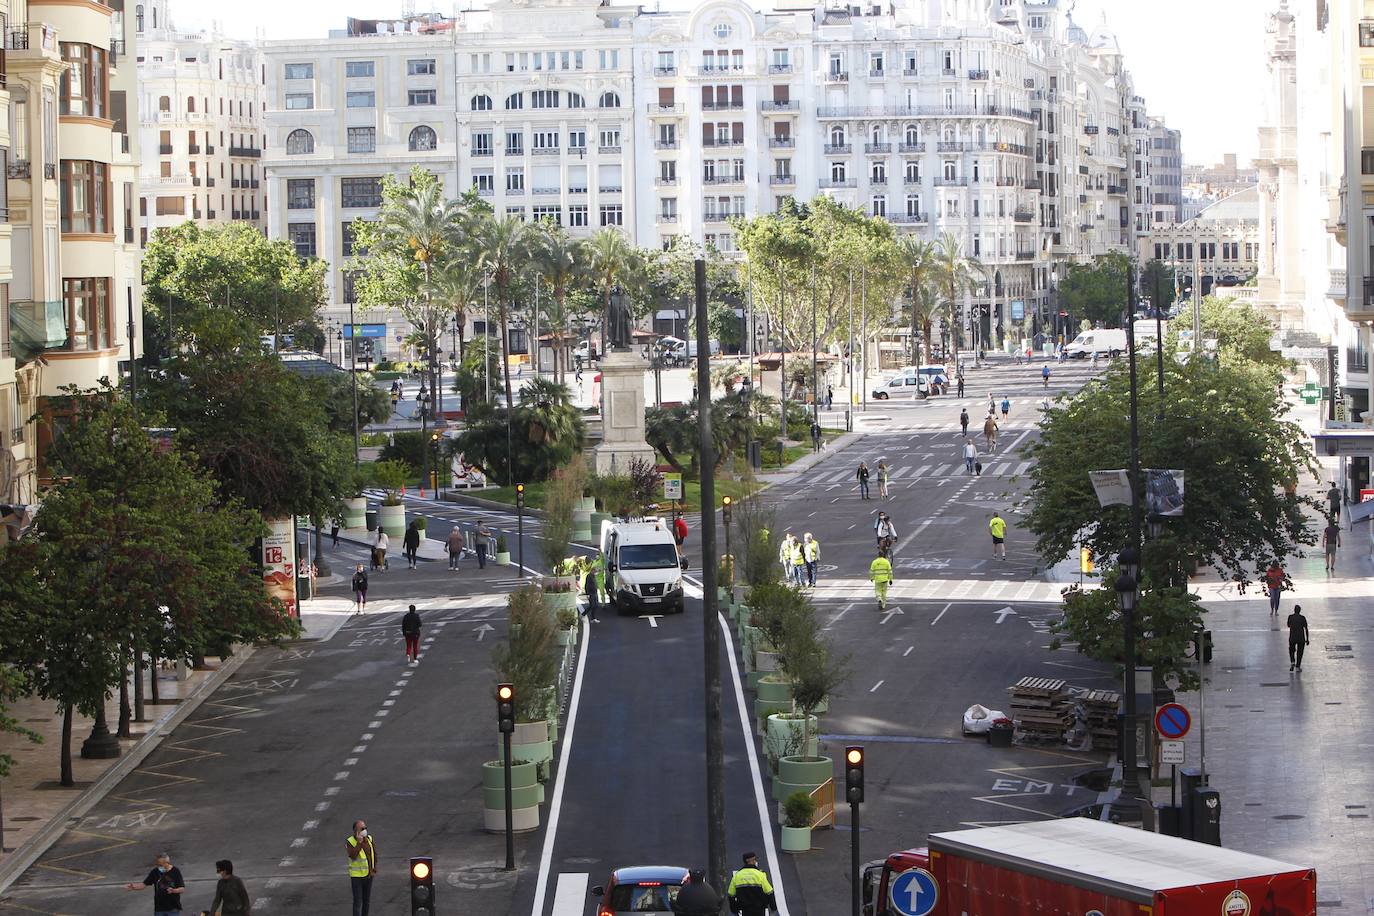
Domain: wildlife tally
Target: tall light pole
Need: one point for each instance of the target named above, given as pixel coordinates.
(815, 381)
(1130, 572)
(353, 371)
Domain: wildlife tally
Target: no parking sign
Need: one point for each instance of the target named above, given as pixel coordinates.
(914, 892)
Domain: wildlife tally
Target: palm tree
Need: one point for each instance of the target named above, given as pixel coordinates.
(611, 259)
(918, 261)
(504, 245)
(456, 283)
(955, 272)
(558, 260)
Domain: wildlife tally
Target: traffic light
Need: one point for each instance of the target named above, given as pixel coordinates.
(854, 775)
(1085, 559)
(520, 495)
(505, 707)
(421, 886)
(725, 504)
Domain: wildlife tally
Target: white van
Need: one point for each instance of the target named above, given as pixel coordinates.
(1105, 341)
(643, 566)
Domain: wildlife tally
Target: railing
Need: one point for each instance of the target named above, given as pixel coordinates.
(545, 151)
(1024, 216)
(780, 105)
(838, 149)
(720, 216)
(912, 181)
(482, 151)
(834, 77)
(1034, 184)
(877, 179)
(951, 182)
(782, 179)
(723, 179)
(876, 74)
(209, 149)
(1336, 284)
(193, 149)
(236, 214)
(50, 171)
(116, 51)
(1082, 170)
(781, 142)
(661, 182)
(909, 218)
(1368, 293)
(1113, 132)
(610, 189)
(18, 169)
(196, 214)
(774, 69)
(1090, 129)
(579, 150)
(665, 108)
(209, 214)
(1082, 198)
(195, 180)
(515, 151)
(948, 71)
(1118, 189)
(1025, 255)
(16, 434)
(17, 39)
(248, 151)
(164, 149)
(823, 797)
(909, 71)
(719, 143)
(723, 106)
(546, 191)
(1006, 181)
(128, 235)
(608, 149)
(665, 144)
(978, 74)
(877, 148)
(667, 217)
(1028, 83)
(481, 192)
(839, 183)
(665, 71)
(921, 111)
(911, 147)
(254, 184)
(235, 183)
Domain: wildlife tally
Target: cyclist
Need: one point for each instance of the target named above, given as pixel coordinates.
(880, 571)
(886, 534)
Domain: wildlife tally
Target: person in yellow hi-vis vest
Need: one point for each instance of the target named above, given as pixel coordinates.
(880, 571)
(811, 550)
(362, 867)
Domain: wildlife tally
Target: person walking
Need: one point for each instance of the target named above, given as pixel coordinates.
(880, 572)
(992, 405)
(455, 544)
(410, 629)
(882, 480)
(1333, 501)
(590, 588)
(167, 884)
(1045, 372)
(697, 897)
(963, 423)
(862, 475)
(1006, 408)
(815, 436)
(362, 867)
(785, 556)
(750, 893)
(334, 532)
(997, 527)
(680, 530)
(798, 558)
(970, 455)
(811, 552)
(1331, 539)
(959, 385)
(481, 541)
(829, 397)
(886, 534)
(359, 589)
(1273, 581)
(231, 896)
(1299, 638)
(411, 543)
(379, 549)
(990, 433)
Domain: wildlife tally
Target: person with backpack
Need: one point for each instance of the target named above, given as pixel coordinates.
(411, 543)
(886, 533)
(963, 423)
(359, 589)
(410, 629)
(862, 475)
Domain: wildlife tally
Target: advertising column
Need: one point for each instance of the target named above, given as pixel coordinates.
(279, 563)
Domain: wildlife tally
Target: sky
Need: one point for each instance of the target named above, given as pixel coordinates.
(1199, 63)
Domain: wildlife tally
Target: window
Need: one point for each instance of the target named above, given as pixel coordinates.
(609, 58)
(515, 179)
(577, 215)
(878, 175)
(577, 139)
(422, 139)
(300, 193)
(912, 135)
(89, 320)
(609, 100)
(838, 171)
(481, 143)
(875, 63)
(361, 192)
(544, 98)
(359, 68)
(420, 67)
(361, 99)
(909, 62)
(299, 101)
(421, 97)
(516, 213)
(302, 236)
(164, 103)
(481, 103)
(575, 100)
(362, 139)
(878, 206)
(913, 205)
(611, 215)
(546, 139)
(170, 206)
(300, 141)
(722, 30)
(913, 172)
(515, 143)
(300, 71)
(610, 140)
(949, 170)
(515, 101)
(85, 197)
(837, 136)
(552, 214)
(484, 182)
(83, 89)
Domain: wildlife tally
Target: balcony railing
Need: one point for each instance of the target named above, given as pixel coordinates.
(246, 151)
(723, 179)
(951, 182)
(1336, 287)
(1006, 181)
(838, 149)
(1082, 170)
(17, 435)
(481, 151)
(949, 71)
(717, 143)
(164, 149)
(236, 214)
(235, 183)
(836, 77)
(978, 74)
(193, 149)
(781, 142)
(665, 144)
(210, 214)
(667, 217)
(17, 39)
(909, 71)
(1090, 129)
(877, 148)
(1113, 132)
(662, 182)
(723, 106)
(1356, 360)
(546, 191)
(18, 169)
(909, 218)
(782, 179)
(209, 149)
(876, 74)
(912, 181)
(1118, 189)
(665, 71)
(780, 105)
(195, 180)
(1024, 216)
(877, 179)
(921, 111)
(254, 184)
(1368, 293)
(1025, 255)
(1034, 184)
(545, 151)
(911, 147)
(720, 216)
(775, 69)
(608, 149)
(610, 189)
(839, 183)
(116, 51)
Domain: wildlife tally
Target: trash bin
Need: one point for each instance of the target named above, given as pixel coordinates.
(1170, 819)
(755, 454)
(1000, 735)
(371, 519)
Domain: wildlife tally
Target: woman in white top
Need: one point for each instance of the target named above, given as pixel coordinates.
(379, 550)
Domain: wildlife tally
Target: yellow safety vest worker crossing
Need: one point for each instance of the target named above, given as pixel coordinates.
(360, 867)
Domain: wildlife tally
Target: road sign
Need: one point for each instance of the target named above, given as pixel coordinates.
(1172, 721)
(364, 330)
(914, 892)
(1171, 753)
(672, 486)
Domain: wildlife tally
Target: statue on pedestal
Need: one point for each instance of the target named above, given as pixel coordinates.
(618, 321)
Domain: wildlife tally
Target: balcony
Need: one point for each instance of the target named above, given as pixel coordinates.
(909, 218)
(1090, 129)
(164, 149)
(1025, 255)
(838, 149)
(780, 105)
(1034, 184)
(577, 150)
(1118, 189)
(1082, 198)
(851, 112)
(782, 180)
(546, 191)
(481, 151)
(723, 106)
(545, 151)
(210, 214)
(1369, 294)
(1082, 170)
(781, 143)
(910, 71)
(17, 435)
(665, 182)
(720, 216)
(876, 74)
(18, 169)
(1024, 216)
(1085, 227)
(235, 183)
(667, 217)
(1029, 83)
(515, 150)
(951, 182)
(728, 144)
(839, 183)
(723, 179)
(877, 149)
(978, 74)
(665, 144)
(238, 214)
(836, 77)
(245, 151)
(949, 71)
(912, 181)
(777, 69)
(610, 189)
(196, 214)
(666, 71)
(880, 180)
(253, 184)
(1006, 181)
(193, 149)
(609, 149)
(209, 149)
(911, 147)
(1336, 287)
(195, 180)
(1112, 131)
(481, 192)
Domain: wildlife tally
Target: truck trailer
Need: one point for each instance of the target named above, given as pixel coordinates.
(1081, 867)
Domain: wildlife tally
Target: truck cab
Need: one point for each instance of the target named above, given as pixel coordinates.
(643, 566)
(879, 877)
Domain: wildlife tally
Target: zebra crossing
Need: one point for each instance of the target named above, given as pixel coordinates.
(907, 473)
(856, 589)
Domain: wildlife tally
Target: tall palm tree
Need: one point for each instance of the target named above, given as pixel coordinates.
(558, 260)
(456, 284)
(611, 259)
(918, 262)
(504, 245)
(956, 272)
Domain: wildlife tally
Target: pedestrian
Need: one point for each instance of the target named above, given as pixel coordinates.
(963, 423)
(1299, 638)
(1273, 582)
(880, 573)
(590, 588)
(882, 480)
(362, 867)
(785, 555)
(359, 589)
(577, 371)
(1333, 500)
(997, 527)
(455, 544)
(410, 629)
(862, 475)
(829, 397)
(970, 455)
(334, 532)
(680, 530)
(990, 433)
(798, 558)
(815, 436)
(696, 898)
(750, 893)
(1006, 408)
(1094, 359)
(411, 543)
(992, 404)
(1045, 372)
(379, 549)
(811, 552)
(481, 541)
(959, 385)
(400, 389)
(885, 533)
(231, 897)
(395, 397)
(167, 884)
(1331, 539)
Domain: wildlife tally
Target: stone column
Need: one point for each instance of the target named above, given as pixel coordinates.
(622, 413)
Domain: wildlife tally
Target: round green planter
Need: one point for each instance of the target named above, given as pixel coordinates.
(751, 680)
(783, 737)
(355, 512)
(566, 637)
(765, 708)
(597, 519)
(559, 601)
(503, 558)
(774, 687)
(796, 839)
(765, 659)
(392, 520)
(799, 774)
(521, 775)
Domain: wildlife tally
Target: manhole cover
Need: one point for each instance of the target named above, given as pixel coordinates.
(581, 860)
(482, 876)
(1344, 647)
(1288, 817)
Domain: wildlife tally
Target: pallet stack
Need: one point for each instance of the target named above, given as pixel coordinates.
(1100, 708)
(1041, 710)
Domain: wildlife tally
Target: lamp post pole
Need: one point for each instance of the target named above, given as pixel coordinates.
(1130, 564)
(353, 371)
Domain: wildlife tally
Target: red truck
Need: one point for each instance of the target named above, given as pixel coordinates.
(1082, 867)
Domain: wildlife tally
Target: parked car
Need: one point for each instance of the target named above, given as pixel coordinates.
(1105, 341)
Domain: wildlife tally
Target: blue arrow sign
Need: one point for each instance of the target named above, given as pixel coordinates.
(914, 892)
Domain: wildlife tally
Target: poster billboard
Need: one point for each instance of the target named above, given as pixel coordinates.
(1163, 492)
(279, 563)
(1113, 488)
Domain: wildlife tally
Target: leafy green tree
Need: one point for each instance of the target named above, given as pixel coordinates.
(610, 261)
(1157, 284)
(724, 324)
(335, 394)
(480, 367)
(956, 273)
(191, 269)
(543, 433)
(1097, 292)
(1241, 331)
(504, 246)
(918, 259)
(559, 262)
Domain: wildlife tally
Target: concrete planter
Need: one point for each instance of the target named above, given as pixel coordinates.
(559, 601)
(775, 687)
(355, 512)
(765, 708)
(801, 774)
(529, 743)
(597, 519)
(743, 614)
(765, 659)
(503, 558)
(566, 637)
(392, 520)
(796, 839)
(527, 794)
(783, 736)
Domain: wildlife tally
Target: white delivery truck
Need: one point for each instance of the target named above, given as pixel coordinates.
(1103, 341)
(643, 566)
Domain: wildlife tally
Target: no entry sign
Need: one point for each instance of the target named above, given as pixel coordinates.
(1172, 721)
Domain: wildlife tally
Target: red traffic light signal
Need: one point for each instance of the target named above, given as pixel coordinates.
(505, 707)
(854, 774)
(421, 886)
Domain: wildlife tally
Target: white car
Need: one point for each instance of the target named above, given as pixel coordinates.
(903, 386)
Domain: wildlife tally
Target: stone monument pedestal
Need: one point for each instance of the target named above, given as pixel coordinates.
(622, 413)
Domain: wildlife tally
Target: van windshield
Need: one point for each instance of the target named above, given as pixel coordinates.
(648, 556)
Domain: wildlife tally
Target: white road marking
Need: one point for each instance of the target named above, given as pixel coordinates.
(875, 686)
(908, 651)
(889, 614)
(1004, 613)
(300, 841)
(941, 614)
(652, 618)
(570, 897)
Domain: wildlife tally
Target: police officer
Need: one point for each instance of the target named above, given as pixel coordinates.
(697, 898)
(750, 893)
(880, 571)
(811, 552)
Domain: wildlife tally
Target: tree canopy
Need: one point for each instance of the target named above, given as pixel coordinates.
(1097, 292)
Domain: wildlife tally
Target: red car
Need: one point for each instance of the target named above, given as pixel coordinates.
(640, 889)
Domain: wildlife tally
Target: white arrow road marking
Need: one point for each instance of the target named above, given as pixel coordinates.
(482, 630)
(890, 612)
(652, 618)
(875, 687)
(570, 894)
(941, 614)
(1004, 613)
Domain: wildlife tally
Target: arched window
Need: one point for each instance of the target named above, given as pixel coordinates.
(609, 100)
(191, 103)
(514, 101)
(913, 136)
(422, 139)
(877, 135)
(879, 173)
(837, 136)
(481, 103)
(575, 100)
(300, 141)
(138, 14)
(164, 103)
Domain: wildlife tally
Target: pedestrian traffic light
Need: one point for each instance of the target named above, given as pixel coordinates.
(854, 775)
(421, 886)
(725, 505)
(520, 495)
(505, 706)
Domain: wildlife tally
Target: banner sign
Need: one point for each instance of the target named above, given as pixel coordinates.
(1113, 488)
(365, 330)
(279, 563)
(1164, 493)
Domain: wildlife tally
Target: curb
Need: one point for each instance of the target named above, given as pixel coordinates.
(22, 858)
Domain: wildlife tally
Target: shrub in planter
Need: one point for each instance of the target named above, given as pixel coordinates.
(391, 477)
(526, 660)
(561, 494)
(797, 811)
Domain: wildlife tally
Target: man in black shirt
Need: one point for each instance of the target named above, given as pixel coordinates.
(165, 880)
(1298, 637)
